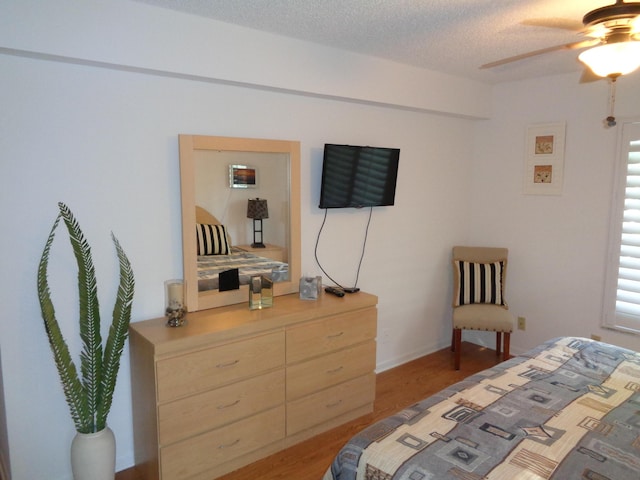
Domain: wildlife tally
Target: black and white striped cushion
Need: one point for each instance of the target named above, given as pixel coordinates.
(478, 283)
(212, 239)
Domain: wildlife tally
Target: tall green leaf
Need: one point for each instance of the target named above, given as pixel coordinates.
(91, 355)
(118, 333)
(72, 387)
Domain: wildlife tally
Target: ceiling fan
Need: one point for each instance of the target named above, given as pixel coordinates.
(614, 38)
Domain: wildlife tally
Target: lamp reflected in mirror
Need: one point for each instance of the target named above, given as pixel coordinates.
(258, 210)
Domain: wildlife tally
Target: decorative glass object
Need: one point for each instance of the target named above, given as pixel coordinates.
(280, 273)
(174, 302)
(260, 292)
(310, 288)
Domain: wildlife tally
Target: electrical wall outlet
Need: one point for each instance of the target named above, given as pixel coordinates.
(522, 323)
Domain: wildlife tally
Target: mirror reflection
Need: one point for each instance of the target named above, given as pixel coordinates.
(239, 217)
(248, 194)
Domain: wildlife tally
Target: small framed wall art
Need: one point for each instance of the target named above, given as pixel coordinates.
(243, 176)
(544, 159)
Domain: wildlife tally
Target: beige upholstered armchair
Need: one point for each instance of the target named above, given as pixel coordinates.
(479, 275)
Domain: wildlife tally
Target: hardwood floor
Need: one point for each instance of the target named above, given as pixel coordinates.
(396, 389)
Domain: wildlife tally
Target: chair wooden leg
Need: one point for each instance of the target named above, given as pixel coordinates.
(498, 343)
(453, 340)
(457, 334)
(507, 341)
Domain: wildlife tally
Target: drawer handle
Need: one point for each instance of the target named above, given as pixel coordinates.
(335, 370)
(222, 407)
(228, 445)
(335, 335)
(225, 365)
(334, 404)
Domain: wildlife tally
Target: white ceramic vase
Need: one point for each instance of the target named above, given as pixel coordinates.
(93, 455)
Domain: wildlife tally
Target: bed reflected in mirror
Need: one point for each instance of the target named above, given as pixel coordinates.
(219, 175)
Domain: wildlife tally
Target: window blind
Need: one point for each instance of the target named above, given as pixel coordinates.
(622, 309)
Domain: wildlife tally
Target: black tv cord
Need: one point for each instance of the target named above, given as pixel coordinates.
(353, 289)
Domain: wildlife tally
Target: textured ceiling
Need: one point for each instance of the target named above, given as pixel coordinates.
(449, 36)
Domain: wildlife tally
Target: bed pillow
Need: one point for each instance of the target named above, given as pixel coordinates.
(212, 239)
(478, 283)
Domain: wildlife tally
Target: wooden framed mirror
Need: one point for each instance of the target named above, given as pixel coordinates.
(211, 170)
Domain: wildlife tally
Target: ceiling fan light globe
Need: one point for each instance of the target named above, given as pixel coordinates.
(612, 59)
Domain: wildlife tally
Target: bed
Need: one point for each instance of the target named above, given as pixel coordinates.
(248, 265)
(568, 409)
(216, 254)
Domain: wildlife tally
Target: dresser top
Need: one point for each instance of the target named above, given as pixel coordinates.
(235, 321)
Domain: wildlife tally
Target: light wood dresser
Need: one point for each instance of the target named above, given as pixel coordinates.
(233, 385)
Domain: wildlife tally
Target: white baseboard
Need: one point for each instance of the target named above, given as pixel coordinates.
(409, 356)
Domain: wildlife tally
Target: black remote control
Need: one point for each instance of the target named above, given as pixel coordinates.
(337, 291)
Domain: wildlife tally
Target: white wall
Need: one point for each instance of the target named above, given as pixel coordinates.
(557, 243)
(103, 139)
(229, 205)
(129, 35)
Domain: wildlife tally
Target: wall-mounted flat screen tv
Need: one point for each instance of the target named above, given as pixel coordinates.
(354, 176)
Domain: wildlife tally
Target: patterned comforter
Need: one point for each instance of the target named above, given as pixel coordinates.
(210, 266)
(568, 409)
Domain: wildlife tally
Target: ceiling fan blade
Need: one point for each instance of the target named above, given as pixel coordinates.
(522, 56)
(555, 22)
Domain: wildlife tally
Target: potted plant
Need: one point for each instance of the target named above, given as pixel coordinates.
(89, 396)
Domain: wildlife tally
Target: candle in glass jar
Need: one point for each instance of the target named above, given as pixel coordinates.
(175, 294)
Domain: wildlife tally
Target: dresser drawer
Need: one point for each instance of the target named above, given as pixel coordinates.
(321, 337)
(322, 372)
(315, 409)
(202, 412)
(205, 452)
(202, 370)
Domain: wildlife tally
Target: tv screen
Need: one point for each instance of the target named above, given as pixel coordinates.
(354, 176)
